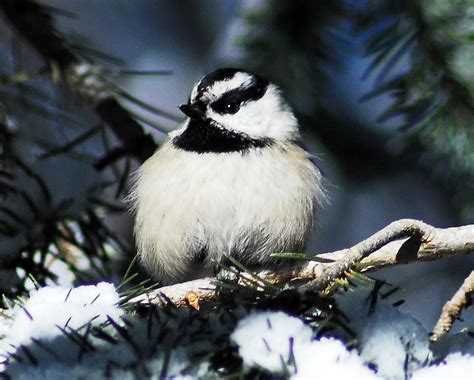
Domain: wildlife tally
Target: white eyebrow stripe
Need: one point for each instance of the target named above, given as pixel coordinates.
(221, 87)
(194, 92)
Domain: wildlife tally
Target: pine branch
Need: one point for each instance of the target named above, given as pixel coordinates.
(434, 96)
(439, 54)
(288, 42)
(46, 235)
(453, 308)
(421, 242)
(35, 23)
(294, 44)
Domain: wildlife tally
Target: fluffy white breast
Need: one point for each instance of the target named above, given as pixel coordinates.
(246, 204)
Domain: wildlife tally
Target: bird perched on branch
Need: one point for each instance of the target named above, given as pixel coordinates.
(233, 179)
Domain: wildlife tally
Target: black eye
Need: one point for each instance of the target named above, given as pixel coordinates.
(226, 106)
(231, 107)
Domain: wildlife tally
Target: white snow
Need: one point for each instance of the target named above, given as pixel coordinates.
(44, 351)
(265, 339)
(454, 367)
(330, 360)
(53, 306)
(62, 371)
(275, 342)
(281, 344)
(395, 342)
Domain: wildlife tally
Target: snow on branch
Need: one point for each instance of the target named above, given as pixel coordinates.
(401, 242)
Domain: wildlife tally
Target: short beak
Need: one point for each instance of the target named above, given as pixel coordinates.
(192, 111)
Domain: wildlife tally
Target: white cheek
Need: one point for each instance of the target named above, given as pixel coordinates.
(267, 117)
(241, 122)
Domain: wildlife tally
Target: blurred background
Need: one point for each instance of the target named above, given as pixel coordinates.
(382, 89)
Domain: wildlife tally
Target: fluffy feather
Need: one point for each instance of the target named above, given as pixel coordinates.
(246, 205)
(194, 207)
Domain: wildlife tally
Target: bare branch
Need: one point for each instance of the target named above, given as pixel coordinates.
(201, 290)
(324, 274)
(422, 242)
(453, 308)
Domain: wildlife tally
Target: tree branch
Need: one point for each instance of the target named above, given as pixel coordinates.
(453, 308)
(35, 23)
(422, 242)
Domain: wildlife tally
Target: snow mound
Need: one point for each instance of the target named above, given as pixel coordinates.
(283, 344)
(52, 308)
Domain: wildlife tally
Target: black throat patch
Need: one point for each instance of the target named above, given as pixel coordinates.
(202, 137)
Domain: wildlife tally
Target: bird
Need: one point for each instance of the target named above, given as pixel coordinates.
(232, 180)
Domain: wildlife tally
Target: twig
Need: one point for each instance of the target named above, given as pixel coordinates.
(201, 291)
(422, 242)
(36, 24)
(323, 275)
(453, 308)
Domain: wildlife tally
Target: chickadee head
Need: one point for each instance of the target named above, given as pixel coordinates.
(233, 110)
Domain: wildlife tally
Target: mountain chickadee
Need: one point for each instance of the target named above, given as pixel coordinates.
(232, 180)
